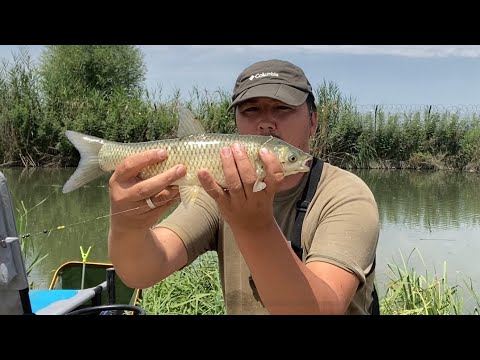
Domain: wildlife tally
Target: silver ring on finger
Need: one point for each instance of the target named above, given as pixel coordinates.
(150, 203)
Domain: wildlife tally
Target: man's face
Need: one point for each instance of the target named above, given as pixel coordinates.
(266, 116)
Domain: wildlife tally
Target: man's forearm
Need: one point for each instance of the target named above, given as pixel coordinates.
(134, 255)
(284, 283)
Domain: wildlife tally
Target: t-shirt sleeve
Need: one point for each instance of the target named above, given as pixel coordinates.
(342, 225)
(196, 225)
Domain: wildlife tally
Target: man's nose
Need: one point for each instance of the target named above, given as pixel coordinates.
(266, 125)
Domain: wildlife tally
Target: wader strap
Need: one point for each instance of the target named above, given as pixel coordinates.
(310, 188)
(375, 309)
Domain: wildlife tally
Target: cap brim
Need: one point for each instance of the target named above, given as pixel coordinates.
(284, 93)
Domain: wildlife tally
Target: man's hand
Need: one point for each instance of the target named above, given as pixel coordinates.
(128, 194)
(239, 205)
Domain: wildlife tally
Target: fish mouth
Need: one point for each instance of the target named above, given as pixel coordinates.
(306, 164)
(302, 168)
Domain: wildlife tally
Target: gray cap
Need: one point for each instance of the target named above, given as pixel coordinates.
(276, 79)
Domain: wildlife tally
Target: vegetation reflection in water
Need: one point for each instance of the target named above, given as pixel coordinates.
(426, 199)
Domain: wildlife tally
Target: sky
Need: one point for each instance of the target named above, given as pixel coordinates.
(446, 75)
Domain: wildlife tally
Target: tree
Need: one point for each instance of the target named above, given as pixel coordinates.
(75, 70)
(84, 87)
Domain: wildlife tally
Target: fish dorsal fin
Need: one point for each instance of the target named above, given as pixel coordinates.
(187, 123)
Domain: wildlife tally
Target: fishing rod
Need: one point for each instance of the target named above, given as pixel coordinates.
(62, 227)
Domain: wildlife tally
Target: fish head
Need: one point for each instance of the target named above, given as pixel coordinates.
(293, 159)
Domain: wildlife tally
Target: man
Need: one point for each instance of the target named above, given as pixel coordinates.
(260, 272)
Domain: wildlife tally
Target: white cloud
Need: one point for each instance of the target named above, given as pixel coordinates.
(418, 51)
(413, 51)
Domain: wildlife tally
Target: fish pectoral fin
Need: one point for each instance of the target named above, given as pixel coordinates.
(259, 183)
(189, 194)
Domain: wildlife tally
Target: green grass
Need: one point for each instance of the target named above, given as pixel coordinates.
(411, 293)
(31, 256)
(196, 290)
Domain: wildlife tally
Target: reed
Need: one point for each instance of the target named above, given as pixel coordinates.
(196, 290)
(35, 111)
(31, 255)
(412, 293)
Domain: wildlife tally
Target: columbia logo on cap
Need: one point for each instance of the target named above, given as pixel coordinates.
(262, 74)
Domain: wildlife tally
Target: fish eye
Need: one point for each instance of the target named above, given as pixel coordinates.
(292, 158)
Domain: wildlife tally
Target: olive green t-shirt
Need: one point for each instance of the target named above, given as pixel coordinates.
(341, 227)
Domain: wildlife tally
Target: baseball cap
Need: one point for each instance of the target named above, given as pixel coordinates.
(276, 79)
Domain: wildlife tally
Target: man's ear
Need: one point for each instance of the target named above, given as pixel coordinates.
(313, 122)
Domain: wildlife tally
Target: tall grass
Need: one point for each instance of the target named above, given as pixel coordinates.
(20, 110)
(31, 255)
(196, 290)
(411, 293)
(34, 119)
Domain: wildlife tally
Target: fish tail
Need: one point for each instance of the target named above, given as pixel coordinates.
(89, 168)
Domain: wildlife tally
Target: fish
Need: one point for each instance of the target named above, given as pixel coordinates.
(192, 147)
